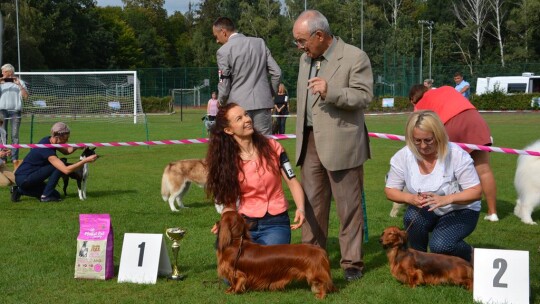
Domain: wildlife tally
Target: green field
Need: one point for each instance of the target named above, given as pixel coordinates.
(38, 240)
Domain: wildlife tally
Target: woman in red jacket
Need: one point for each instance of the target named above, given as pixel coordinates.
(463, 124)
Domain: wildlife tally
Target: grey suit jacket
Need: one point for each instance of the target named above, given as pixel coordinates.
(244, 64)
(339, 127)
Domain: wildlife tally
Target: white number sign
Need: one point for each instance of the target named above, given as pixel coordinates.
(501, 276)
(144, 257)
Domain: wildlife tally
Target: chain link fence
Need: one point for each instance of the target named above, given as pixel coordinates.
(393, 78)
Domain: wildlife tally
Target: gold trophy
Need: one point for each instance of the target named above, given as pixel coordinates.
(175, 235)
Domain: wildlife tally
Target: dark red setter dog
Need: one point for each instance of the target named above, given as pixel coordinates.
(250, 266)
(413, 267)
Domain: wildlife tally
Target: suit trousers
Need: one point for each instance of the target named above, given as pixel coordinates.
(346, 187)
(262, 120)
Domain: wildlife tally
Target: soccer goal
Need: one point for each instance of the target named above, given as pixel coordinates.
(187, 96)
(83, 95)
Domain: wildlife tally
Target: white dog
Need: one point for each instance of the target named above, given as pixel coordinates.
(527, 183)
(177, 178)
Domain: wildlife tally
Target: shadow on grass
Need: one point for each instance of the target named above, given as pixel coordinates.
(374, 257)
(197, 204)
(504, 208)
(98, 194)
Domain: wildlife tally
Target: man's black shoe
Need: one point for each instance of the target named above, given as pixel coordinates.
(15, 194)
(352, 274)
(49, 199)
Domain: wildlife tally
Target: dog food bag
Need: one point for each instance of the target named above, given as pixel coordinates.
(95, 247)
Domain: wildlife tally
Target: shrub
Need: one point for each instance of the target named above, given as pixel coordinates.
(156, 104)
(292, 105)
(400, 104)
(497, 100)
(493, 101)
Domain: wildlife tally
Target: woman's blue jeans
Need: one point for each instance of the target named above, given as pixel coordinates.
(270, 229)
(13, 117)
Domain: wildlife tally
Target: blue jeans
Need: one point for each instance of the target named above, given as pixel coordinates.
(447, 231)
(15, 117)
(270, 229)
(34, 183)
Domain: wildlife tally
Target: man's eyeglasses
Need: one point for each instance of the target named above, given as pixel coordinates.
(426, 141)
(301, 43)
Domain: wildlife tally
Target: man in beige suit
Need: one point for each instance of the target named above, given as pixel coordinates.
(335, 85)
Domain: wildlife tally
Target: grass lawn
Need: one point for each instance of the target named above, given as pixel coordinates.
(38, 240)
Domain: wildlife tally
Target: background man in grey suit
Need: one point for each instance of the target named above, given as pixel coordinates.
(335, 85)
(244, 64)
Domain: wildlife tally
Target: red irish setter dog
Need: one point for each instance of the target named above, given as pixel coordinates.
(250, 266)
(415, 267)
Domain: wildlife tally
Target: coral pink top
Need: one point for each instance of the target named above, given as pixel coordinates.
(445, 101)
(261, 189)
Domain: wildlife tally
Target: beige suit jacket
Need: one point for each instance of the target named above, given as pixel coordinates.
(339, 127)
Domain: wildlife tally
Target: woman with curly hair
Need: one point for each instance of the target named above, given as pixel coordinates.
(245, 170)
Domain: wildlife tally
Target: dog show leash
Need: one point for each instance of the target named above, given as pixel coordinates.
(417, 213)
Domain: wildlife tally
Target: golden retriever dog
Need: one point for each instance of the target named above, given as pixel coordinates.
(250, 266)
(527, 183)
(178, 176)
(413, 267)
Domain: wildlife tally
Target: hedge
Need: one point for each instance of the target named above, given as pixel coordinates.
(494, 101)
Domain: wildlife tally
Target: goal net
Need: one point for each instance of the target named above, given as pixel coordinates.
(83, 95)
(186, 97)
(189, 96)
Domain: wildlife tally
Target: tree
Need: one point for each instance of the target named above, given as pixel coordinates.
(148, 34)
(523, 25)
(260, 19)
(495, 28)
(31, 32)
(121, 51)
(153, 5)
(472, 14)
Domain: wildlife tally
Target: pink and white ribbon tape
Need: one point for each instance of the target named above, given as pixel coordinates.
(130, 143)
(276, 136)
(462, 145)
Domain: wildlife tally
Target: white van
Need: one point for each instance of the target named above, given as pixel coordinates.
(526, 83)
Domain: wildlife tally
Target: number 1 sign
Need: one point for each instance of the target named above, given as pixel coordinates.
(143, 258)
(501, 276)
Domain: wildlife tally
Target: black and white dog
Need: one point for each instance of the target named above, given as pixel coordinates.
(80, 175)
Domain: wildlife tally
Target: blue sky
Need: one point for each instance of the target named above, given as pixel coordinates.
(170, 5)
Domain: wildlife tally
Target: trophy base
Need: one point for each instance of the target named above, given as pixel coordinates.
(179, 277)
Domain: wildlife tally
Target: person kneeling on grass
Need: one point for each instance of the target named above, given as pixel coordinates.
(42, 164)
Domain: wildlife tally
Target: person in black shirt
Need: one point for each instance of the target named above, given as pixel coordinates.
(281, 107)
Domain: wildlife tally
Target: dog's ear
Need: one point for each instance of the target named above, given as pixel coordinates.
(403, 237)
(224, 232)
(245, 228)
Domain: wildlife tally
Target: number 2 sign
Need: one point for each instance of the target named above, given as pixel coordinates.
(501, 276)
(143, 258)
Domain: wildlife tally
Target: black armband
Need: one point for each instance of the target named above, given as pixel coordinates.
(286, 165)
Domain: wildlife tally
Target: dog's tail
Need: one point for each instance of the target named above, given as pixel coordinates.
(165, 188)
